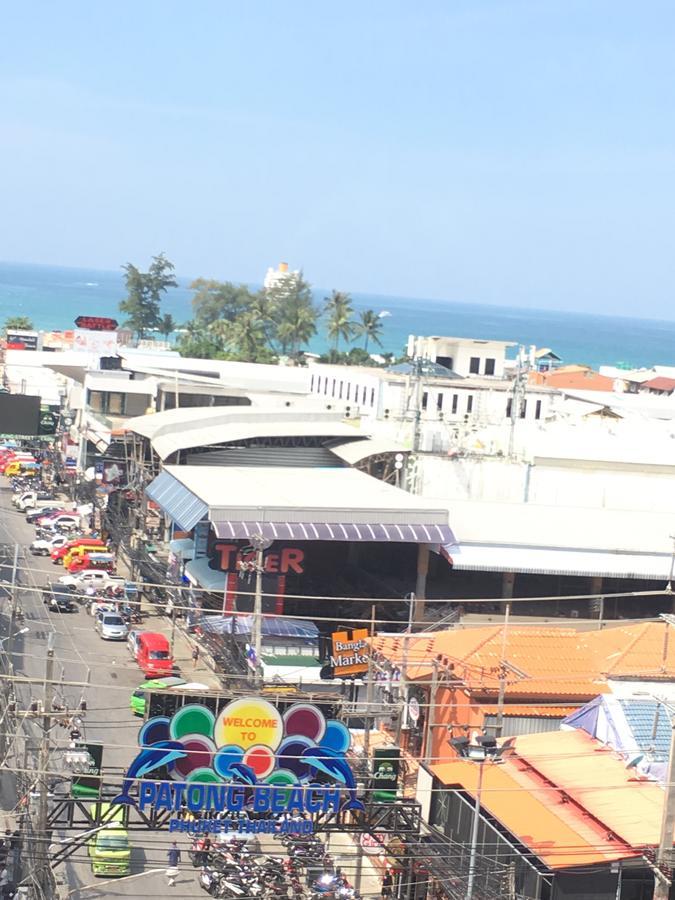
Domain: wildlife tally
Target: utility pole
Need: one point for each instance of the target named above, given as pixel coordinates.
(366, 740)
(43, 766)
(260, 544)
(403, 681)
(429, 739)
(12, 612)
(502, 675)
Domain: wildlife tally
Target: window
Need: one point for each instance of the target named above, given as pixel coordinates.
(455, 401)
(425, 400)
(489, 367)
(325, 385)
(349, 388)
(311, 383)
(372, 396)
(333, 390)
(469, 403)
(523, 408)
(439, 402)
(116, 404)
(340, 392)
(474, 365)
(363, 396)
(107, 402)
(537, 410)
(509, 404)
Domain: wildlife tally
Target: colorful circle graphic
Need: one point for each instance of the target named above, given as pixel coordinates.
(303, 719)
(205, 775)
(192, 719)
(225, 757)
(200, 751)
(336, 738)
(248, 722)
(260, 759)
(289, 755)
(153, 731)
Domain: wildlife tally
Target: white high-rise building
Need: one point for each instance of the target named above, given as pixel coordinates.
(276, 277)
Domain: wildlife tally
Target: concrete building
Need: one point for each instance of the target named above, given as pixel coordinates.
(465, 356)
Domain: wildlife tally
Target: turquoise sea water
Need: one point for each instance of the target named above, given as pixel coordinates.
(53, 297)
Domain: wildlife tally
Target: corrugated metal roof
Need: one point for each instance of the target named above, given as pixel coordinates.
(183, 429)
(272, 626)
(354, 451)
(335, 496)
(551, 561)
(177, 501)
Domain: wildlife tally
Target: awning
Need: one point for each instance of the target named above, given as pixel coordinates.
(177, 501)
(182, 547)
(558, 561)
(272, 626)
(199, 573)
(323, 531)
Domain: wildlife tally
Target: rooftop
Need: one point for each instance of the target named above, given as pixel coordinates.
(577, 804)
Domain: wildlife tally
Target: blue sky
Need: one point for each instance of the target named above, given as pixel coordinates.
(516, 152)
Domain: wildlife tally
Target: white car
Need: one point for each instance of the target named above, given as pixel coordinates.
(111, 627)
(63, 522)
(132, 641)
(92, 577)
(44, 546)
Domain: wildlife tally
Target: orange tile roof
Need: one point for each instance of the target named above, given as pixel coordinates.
(530, 709)
(573, 379)
(541, 662)
(576, 804)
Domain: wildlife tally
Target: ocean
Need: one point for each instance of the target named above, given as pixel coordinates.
(53, 297)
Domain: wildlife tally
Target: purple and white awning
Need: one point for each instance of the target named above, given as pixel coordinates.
(347, 531)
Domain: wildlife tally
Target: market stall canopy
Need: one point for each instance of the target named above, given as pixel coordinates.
(340, 504)
(272, 626)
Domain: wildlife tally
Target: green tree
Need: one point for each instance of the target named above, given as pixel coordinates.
(291, 314)
(369, 327)
(338, 308)
(167, 325)
(144, 293)
(196, 341)
(215, 300)
(20, 323)
(246, 337)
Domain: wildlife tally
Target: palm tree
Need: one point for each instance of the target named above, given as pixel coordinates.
(19, 323)
(340, 323)
(370, 327)
(167, 325)
(247, 337)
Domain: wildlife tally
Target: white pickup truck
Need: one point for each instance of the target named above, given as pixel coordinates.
(32, 500)
(92, 578)
(44, 546)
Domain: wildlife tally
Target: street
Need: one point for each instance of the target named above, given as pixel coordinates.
(80, 655)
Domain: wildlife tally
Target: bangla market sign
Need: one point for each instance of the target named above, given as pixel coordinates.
(350, 652)
(249, 758)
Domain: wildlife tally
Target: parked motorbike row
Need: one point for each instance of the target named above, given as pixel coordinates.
(228, 868)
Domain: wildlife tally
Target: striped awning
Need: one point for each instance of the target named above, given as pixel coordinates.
(343, 531)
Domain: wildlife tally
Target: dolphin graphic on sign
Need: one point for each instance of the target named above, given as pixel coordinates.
(161, 754)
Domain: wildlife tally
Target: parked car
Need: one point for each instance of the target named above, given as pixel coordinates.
(35, 514)
(45, 546)
(153, 654)
(59, 555)
(60, 522)
(98, 580)
(79, 549)
(30, 499)
(132, 641)
(109, 849)
(58, 599)
(111, 626)
(97, 607)
(137, 699)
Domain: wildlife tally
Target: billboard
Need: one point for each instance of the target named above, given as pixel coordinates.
(350, 650)
(22, 340)
(96, 323)
(19, 414)
(250, 757)
(386, 766)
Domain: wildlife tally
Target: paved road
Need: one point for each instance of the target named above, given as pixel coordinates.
(81, 656)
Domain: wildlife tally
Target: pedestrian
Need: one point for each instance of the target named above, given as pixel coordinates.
(173, 856)
(205, 851)
(195, 657)
(387, 884)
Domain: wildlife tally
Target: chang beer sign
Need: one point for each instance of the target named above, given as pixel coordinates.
(386, 767)
(250, 758)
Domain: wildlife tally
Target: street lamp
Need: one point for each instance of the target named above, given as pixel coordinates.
(483, 749)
